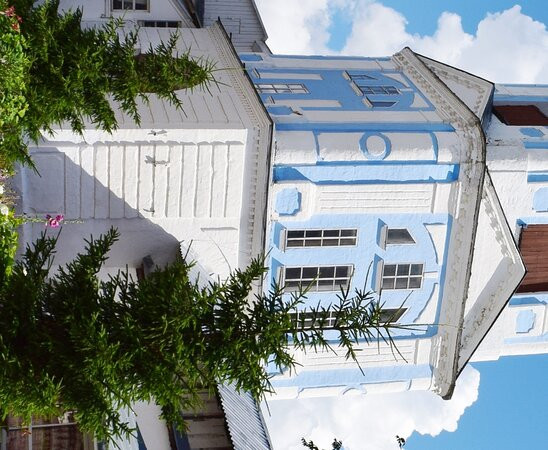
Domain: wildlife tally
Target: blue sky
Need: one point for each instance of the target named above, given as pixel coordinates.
(510, 413)
(500, 404)
(501, 40)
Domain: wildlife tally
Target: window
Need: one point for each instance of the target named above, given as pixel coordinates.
(319, 278)
(281, 88)
(132, 5)
(380, 104)
(398, 236)
(402, 276)
(160, 24)
(378, 90)
(520, 115)
(387, 315)
(359, 76)
(391, 315)
(320, 238)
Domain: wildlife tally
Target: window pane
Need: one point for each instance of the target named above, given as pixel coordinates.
(313, 233)
(325, 285)
(341, 282)
(327, 272)
(378, 104)
(116, 4)
(331, 233)
(292, 284)
(399, 236)
(295, 243)
(414, 282)
(128, 4)
(141, 5)
(310, 272)
(342, 271)
(293, 273)
(351, 241)
(348, 232)
(388, 283)
(330, 242)
(313, 242)
(295, 233)
(416, 269)
(389, 270)
(401, 283)
(403, 269)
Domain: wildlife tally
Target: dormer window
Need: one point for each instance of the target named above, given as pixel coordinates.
(130, 5)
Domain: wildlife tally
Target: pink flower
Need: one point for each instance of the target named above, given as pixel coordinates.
(10, 12)
(54, 222)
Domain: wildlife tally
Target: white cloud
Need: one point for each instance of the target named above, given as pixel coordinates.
(508, 46)
(369, 422)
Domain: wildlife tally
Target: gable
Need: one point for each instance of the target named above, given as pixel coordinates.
(474, 91)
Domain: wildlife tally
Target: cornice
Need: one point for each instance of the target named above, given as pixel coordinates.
(261, 136)
(445, 349)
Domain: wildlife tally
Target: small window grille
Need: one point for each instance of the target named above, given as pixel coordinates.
(378, 90)
(281, 88)
(402, 276)
(131, 5)
(321, 238)
(317, 278)
(160, 24)
(329, 318)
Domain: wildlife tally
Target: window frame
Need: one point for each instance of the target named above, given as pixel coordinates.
(122, 9)
(385, 88)
(289, 88)
(396, 277)
(304, 283)
(154, 23)
(286, 239)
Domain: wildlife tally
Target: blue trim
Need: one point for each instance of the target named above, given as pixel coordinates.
(540, 200)
(279, 110)
(364, 174)
(338, 58)
(533, 220)
(353, 377)
(529, 299)
(535, 145)
(522, 85)
(499, 99)
(361, 126)
(367, 153)
(250, 57)
(537, 177)
(531, 132)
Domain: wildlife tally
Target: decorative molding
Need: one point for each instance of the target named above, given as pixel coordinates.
(482, 315)
(482, 87)
(451, 109)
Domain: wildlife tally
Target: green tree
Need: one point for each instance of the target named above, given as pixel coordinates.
(53, 71)
(69, 341)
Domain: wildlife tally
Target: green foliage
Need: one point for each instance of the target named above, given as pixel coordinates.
(69, 341)
(8, 243)
(53, 71)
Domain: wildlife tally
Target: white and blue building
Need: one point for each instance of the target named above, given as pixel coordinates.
(401, 175)
(388, 174)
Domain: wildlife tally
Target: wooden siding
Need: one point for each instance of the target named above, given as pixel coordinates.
(240, 19)
(520, 115)
(534, 250)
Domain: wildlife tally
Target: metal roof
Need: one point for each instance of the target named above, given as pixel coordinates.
(244, 419)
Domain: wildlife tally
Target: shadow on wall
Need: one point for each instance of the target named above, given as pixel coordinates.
(64, 187)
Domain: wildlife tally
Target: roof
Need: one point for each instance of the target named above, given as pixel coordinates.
(244, 419)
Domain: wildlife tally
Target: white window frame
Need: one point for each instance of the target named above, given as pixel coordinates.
(281, 88)
(313, 282)
(322, 239)
(407, 276)
(147, 9)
